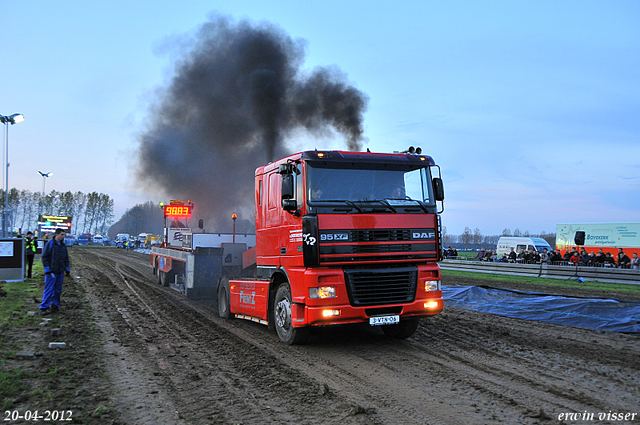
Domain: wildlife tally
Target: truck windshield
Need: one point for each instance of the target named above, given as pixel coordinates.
(394, 187)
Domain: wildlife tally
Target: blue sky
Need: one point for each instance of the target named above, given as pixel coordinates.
(532, 109)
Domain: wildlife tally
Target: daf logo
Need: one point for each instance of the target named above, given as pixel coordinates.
(423, 235)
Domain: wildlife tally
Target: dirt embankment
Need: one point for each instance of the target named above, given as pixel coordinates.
(173, 361)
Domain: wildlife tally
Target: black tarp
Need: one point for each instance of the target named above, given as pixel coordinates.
(602, 314)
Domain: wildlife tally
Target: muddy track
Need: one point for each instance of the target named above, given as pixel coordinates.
(172, 360)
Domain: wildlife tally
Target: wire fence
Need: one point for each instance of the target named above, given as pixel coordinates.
(550, 263)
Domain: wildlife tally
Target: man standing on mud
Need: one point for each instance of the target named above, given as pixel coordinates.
(55, 260)
(30, 252)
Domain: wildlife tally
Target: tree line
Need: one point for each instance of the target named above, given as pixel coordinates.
(475, 239)
(147, 217)
(91, 212)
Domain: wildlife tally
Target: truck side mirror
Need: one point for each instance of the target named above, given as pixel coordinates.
(289, 205)
(438, 189)
(287, 186)
(287, 191)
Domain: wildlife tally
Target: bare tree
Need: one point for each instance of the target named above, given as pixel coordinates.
(477, 236)
(105, 216)
(491, 240)
(447, 239)
(549, 237)
(466, 236)
(78, 208)
(147, 217)
(91, 212)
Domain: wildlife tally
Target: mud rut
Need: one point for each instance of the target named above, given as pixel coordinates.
(172, 360)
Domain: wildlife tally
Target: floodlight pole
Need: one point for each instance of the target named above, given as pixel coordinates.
(44, 180)
(234, 216)
(6, 120)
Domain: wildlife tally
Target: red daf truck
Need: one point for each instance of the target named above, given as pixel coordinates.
(342, 237)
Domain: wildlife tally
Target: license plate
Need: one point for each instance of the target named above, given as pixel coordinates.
(384, 320)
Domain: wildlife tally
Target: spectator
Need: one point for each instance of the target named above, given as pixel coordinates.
(534, 257)
(591, 260)
(601, 258)
(30, 252)
(575, 258)
(623, 259)
(454, 253)
(521, 256)
(56, 263)
(556, 257)
(635, 262)
(584, 257)
(544, 257)
(609, 261)
(494, 256)
(512, 256)
(480, 254)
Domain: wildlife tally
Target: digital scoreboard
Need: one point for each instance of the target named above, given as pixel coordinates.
(177, 210)
(49, 223)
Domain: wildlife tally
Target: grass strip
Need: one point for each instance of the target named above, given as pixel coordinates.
(495, 280)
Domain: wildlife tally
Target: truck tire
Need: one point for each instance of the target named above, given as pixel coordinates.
(402, 330)
(156, 273)
(282, 318)
(224, 299)
(166, 278)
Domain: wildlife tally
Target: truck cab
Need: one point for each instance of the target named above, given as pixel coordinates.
(343, 237)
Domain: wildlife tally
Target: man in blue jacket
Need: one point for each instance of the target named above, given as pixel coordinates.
(55, 260)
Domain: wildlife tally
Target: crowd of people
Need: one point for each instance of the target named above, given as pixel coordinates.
(573, 257)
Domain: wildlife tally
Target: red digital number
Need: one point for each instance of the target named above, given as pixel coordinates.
(173, 210)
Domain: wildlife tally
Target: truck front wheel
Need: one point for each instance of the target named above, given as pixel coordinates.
(282, 318)
(224, 299)
(402, 330)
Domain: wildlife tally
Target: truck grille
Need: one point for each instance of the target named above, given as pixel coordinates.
(380, 235)
(381, 286)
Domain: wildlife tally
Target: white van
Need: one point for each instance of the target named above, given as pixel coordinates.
(507, 242)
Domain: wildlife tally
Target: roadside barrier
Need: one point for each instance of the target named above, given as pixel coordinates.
(560, 271)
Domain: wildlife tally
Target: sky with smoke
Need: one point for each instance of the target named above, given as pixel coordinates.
(237, 94)
(530, 108)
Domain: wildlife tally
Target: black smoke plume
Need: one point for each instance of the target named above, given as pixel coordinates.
(237, 97)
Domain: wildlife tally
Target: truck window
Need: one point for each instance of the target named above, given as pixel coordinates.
(273, 195)
(299, 185)
(356, 184)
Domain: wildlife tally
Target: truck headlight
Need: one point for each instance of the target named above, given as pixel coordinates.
(322, 292)
(431, 285)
